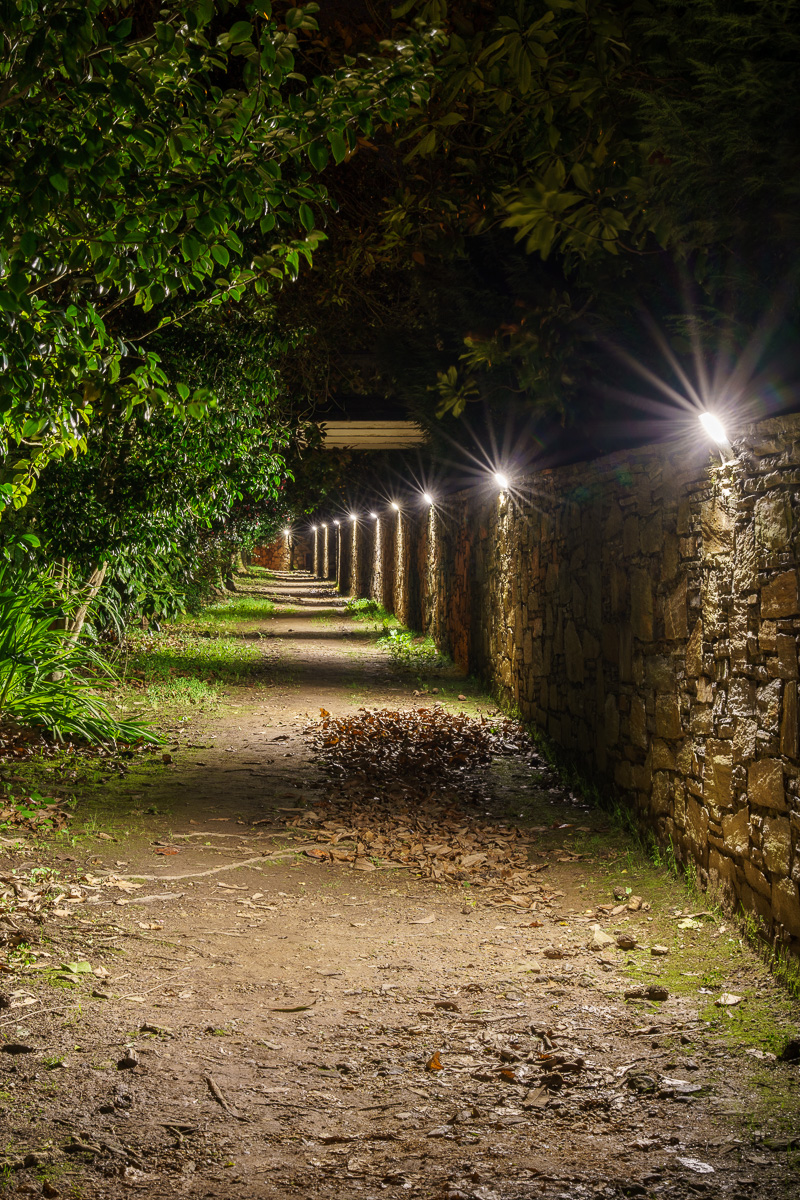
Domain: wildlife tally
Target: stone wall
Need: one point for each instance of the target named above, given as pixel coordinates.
(643, 610)
(289, 552)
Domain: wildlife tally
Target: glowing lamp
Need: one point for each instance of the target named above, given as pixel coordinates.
(287, 532)
(427, 497)
(353, 516)
(715, 430)
(395, 506)
(374, 516)
(337, 522)
(501, 480)
(313, 529)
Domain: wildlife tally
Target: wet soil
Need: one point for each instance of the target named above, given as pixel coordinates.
(214, 1013)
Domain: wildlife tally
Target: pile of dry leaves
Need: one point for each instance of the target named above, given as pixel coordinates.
(383, 744)
(405, 792)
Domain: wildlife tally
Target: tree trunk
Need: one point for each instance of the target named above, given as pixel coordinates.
(93, 586)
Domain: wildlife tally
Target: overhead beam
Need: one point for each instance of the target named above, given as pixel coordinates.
(372, 435)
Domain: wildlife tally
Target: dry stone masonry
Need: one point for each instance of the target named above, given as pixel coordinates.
(643, 610)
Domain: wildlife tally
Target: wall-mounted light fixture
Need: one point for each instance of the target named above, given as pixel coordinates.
(336, 522)
(395, 506)
(428, 498)
(502, 481)
(287, 531)
(323, 525)
(374, 516)
(353, 516)
(715, 430)
(313, 529)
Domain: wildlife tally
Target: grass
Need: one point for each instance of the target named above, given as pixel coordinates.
(412, 651)
(180, 669)
(370, 611)
(239, 608)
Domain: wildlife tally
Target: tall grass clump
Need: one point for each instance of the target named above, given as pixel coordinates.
(49, 677)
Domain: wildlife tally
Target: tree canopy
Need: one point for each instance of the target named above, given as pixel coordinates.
(148, 168)
(577, 164)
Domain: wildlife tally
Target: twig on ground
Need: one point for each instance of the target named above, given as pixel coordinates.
(220, 1099)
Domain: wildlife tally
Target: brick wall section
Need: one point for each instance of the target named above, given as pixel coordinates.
(643, 610)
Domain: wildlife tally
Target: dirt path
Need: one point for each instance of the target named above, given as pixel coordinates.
(262, 1023)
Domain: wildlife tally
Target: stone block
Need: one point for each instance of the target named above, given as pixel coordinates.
(679, 804)
(676, 619)
(659, 673)
(717, 524)
(741, 698)
(756, 879)
(784, 665)
(638, 722)
(573, 653)
(630, 537)
(610, 638)
(661, 795)
(765, 784)
(642, 605)
(591, 646)
(611, 714)
(625, 655)
(776, 845)
(769, 706)
(779, 597)
(642, 775)
(694, 651)
(652, 534)
(663, 756)
(766, 636)
(712, 595)
(786, 905)
(717, 783)
(744, 740)
(578, 601)
(745, 568)
(668, 717)
(697, 829)
(702, 720)
(670, 557)
(736, 833)
(773, 522)
(722, 868)
(684, 757)
(789, 738)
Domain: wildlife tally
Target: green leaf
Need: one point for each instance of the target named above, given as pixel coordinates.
(318, 154)
(59, 182)
(28, 244)
(221, 255)
(306, 216)
(338, 145)
(242, 31)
